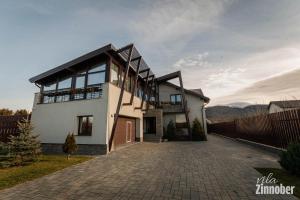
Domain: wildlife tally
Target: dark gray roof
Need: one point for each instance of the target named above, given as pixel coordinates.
(105, 49)
(192, 92)
(287, 104)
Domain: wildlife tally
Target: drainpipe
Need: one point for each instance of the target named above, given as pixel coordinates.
(204, 117)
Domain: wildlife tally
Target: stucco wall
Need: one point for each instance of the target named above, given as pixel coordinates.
(126, 110)
(53, 121)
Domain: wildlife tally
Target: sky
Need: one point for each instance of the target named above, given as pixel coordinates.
(221, 46)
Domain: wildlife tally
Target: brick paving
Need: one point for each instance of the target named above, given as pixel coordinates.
(217, 169)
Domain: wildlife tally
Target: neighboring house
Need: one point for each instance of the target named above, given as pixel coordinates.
(279, 106)
(108, 98)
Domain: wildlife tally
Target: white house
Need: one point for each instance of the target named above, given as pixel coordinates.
(280, 106)
(108, 98)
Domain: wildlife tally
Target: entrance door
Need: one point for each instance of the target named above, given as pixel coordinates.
(125, 131)
(149, 125)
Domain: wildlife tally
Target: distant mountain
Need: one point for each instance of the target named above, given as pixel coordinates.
(228, 113)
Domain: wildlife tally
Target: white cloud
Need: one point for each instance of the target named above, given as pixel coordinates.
(169, 20)
(219, 79)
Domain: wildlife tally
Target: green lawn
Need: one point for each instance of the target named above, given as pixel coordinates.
(283, 177)
(47, 164)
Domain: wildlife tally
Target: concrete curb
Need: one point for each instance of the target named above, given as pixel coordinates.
(269, 148)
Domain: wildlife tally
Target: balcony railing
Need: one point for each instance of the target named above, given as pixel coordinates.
(70, 95)
(170, 107)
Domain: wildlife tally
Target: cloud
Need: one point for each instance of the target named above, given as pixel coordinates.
(222, 78)
(167, 21)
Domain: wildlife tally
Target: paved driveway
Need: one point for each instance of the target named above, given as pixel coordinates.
(217, 169)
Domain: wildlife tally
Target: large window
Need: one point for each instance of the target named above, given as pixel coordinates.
(80, 82)
(175, 98)
(50, 87)
(85, 125)
(65, 84)
(96, 78)
(96, 75)
(85, 84)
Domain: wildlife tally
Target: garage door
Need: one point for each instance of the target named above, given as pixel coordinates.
(125, 131)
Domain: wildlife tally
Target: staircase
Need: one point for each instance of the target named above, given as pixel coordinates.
(152, 138)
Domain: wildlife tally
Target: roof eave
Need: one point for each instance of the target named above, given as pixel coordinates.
(72, 63)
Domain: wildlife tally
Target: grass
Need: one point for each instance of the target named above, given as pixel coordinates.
(283, 177)
(47, 164)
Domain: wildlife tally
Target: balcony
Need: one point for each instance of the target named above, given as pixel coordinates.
(169, 107)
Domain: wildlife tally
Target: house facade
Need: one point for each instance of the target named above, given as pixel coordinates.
(280, 106)
(109, 98)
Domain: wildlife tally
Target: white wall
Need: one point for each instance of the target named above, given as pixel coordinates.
(274, 109)
(53, 121)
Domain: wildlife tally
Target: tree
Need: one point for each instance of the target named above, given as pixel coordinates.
(70, 145)
(197, 131)
(24, 147)
(171, 129)
(21, 112)
(290, 159)
(6, 111)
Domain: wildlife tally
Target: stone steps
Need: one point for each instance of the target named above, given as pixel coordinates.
(151, 138)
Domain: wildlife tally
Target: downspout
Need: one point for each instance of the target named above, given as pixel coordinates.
(204, 119)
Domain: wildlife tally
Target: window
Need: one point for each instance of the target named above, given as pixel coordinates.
(98, 68)
(94, 95)
(96, 75)
(85, 84)
(175, 98)
(114, 77)
(50, 87)
(65, 84)
(80, 82)
(85, 124)
(63, 98)
(128, 83)
(96, 78)
(78, 96)
(48, 99)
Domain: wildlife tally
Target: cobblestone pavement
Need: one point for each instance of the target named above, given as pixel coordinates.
(217, 169)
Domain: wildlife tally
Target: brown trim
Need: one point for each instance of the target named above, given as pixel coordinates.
(120, 98)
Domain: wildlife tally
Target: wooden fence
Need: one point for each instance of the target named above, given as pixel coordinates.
(276, 129)
(9, 125)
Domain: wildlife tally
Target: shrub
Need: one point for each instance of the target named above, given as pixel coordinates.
(24, 147)
(197, 131)
(170, 132)
(70, 145)
(290, 160)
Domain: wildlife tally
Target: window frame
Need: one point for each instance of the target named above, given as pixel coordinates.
(80, 119)
(176, 101)
(70, 91)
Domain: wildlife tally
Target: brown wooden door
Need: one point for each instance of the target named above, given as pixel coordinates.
(125, 131)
